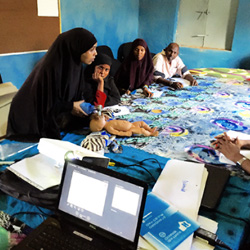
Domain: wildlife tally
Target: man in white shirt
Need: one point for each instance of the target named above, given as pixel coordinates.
(168, 64)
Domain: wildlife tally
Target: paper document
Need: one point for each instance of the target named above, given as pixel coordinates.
(119, 110)
(242, 136)
(39, 171)
(45, 169)
(181, 80)
(47, 8)
(182, 184)
(156, 93)
(224, 159)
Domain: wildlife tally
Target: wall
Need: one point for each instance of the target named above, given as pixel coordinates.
(114, 22)
(158, 22)
(161, 17)
(15, 68)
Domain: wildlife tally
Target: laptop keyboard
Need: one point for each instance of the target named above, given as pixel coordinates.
(52, 238)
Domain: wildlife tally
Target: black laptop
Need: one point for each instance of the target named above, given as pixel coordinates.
(97, 208)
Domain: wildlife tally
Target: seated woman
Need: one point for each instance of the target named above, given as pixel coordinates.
(137, 70)
(53, 90)
(97, 78)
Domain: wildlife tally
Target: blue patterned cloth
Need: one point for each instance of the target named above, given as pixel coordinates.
(187, 120)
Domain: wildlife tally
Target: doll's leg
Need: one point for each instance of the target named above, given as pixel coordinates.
(140, 131)
(144, 125)
(145, 132)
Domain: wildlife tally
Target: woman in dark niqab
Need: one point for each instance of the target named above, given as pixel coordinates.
(53, 89)
(137, 69)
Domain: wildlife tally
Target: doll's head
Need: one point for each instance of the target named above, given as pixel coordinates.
(97, 122)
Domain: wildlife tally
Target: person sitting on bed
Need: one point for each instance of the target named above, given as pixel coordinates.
(137, 69)
(97, 78)
(231, 149)
(51, 97)
(167, 64)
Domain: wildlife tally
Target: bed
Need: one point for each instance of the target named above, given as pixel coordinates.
(187, 121)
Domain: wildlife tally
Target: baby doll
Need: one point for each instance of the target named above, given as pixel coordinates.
(120, 127)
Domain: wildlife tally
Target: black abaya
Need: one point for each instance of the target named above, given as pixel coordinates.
(51, 88)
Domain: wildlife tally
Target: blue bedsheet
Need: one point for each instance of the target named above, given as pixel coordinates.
(186, 118)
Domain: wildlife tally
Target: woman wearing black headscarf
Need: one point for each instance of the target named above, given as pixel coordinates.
(97, 78)
(137, 69)
(53, 89)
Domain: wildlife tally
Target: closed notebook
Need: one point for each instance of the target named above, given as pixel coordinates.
(215, 185)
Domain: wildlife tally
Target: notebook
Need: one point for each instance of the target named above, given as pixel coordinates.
(96, 205)
(216, 182)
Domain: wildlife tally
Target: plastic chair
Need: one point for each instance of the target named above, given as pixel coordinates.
(104, 49)
(123, 51)
(114, 67)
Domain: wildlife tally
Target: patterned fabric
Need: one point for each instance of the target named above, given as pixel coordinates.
(236, 74)
(97, 141)
(188, 119)
(94, 142)
(195, 131)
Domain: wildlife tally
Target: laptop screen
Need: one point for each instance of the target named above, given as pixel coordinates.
(103, 199)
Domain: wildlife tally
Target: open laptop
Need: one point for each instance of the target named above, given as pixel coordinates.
(215, 185)
(98, 206)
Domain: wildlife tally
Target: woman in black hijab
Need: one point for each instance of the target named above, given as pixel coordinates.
(97, 78)
(53, 89)
(137, 69)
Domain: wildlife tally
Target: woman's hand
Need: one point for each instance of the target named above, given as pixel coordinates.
(147, 92)
(224, 136)
(230, 148)
(97, 76)
(128, 92)
(194, 83)
(176, 85)
(77, 110)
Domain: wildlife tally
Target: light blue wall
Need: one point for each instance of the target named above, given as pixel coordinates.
(115, 22)
(112, 22)
(16, 68)
(158, 24)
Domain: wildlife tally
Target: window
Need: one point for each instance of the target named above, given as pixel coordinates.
(206, 23)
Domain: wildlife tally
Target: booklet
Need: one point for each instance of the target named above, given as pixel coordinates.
(163, 226)
(182, 184)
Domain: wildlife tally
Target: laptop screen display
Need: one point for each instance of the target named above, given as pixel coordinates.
(101, 199)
